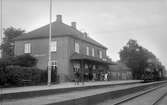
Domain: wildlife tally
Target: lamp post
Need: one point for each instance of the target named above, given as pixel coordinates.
(50, 35)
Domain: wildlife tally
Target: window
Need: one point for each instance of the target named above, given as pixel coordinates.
(76, 47)
(93, 52)
(53, 46)
(87, 51)
(100, 54)
(27, 48)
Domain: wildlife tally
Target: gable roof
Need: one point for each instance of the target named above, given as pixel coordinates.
(58, 29)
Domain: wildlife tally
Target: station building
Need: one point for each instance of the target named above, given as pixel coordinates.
(71, 50)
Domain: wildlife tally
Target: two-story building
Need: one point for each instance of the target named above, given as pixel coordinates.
(70, 50)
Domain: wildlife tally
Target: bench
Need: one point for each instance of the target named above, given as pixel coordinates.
(26, 82)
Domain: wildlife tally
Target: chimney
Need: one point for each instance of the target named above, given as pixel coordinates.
(73, 25)
(59, 18)
(85, 34)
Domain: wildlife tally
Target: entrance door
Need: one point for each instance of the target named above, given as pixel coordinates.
(54, 77)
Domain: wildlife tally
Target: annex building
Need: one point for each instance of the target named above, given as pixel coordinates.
(71, 50)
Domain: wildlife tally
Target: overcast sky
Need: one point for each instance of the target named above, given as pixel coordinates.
(111, 22)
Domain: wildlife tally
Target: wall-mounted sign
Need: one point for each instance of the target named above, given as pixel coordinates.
(39, 55)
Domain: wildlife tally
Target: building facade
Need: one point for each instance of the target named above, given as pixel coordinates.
(120, 71)
(71, 50)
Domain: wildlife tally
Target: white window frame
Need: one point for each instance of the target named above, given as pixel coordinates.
(53, 46)
(87, 51)
(93, 52)
(77, 47)
(27, 48)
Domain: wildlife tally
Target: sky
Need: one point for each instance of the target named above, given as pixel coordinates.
(110, 22)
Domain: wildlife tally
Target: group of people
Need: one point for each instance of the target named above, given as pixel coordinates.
(81, 77)
(102, 76)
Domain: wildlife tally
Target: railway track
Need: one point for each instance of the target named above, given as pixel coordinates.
(158, 102)
(148, 95)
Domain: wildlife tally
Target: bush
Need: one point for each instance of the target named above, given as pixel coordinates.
(4, 62)
(36, 75)
(25, 60)
(44, 76)
(2, 77)
(15, 69)
(15, 76)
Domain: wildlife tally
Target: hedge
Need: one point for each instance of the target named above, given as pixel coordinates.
(14, 71)
(16, 75)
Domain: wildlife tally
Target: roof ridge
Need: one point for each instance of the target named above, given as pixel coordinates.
(58, 28)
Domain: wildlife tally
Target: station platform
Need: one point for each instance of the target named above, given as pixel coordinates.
(45, 95)
(66, 85)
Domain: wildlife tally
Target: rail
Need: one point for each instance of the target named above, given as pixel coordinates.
(143, 93)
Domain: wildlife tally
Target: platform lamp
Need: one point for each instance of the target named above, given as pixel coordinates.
(50, 36)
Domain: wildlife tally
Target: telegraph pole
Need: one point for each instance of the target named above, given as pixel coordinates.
(1, 33)
(1, 26)
(50, 36)
(1, 30)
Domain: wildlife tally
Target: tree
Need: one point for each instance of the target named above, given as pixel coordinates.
(7, 46)
(135, 57)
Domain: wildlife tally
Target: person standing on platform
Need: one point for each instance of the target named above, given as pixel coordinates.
(76, 77)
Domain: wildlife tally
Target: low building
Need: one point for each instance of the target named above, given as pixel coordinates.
(71, 50)
(120, 71)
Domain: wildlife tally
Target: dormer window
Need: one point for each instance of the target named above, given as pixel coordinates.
(76, 47)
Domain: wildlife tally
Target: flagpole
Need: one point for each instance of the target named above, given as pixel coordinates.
(50, 35)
